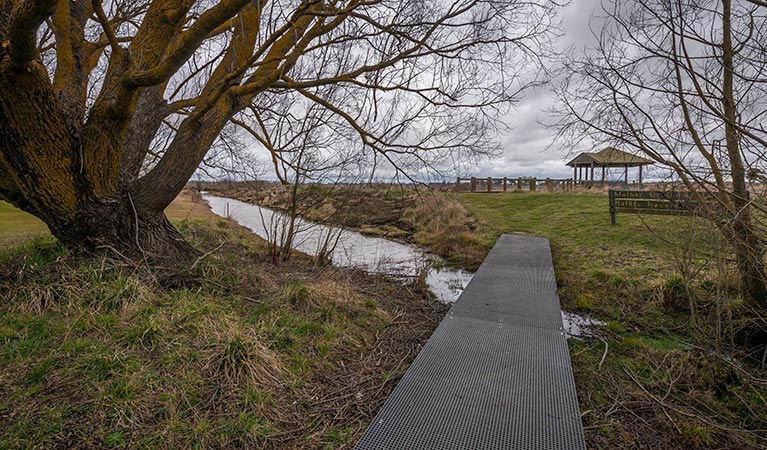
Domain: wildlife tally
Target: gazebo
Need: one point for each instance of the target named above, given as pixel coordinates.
(609, 157)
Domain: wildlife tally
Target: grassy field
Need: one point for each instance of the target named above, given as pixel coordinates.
(652, 377)
(667, 370)
(588, 251)
(17, 226)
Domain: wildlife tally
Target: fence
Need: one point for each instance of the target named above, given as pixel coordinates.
(490, 184)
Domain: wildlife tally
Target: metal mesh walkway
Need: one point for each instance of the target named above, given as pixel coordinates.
(496, 372)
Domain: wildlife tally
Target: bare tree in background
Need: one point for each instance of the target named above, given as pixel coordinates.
(685, 83)
(108, 108)
(297, 144)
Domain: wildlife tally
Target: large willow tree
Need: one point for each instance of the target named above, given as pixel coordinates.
(108, 108)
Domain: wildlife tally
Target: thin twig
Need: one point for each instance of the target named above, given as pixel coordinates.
(207, 254)
(697, 415)
(107, 27)
(604, 355)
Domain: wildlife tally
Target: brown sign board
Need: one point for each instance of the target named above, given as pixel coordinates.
(677, 203)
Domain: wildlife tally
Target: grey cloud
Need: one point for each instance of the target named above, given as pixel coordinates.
(523, 146)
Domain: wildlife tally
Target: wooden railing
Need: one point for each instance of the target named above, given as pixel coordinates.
(490, 184)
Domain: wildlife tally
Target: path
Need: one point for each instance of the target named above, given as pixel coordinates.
(496, 372)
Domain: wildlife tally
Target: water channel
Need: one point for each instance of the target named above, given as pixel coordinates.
(372, 254)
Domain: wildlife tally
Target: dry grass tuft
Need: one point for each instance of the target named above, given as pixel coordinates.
(322, 295)
(443, 225)
(238, 358)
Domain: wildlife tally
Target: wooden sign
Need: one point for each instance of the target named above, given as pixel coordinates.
(677, 203)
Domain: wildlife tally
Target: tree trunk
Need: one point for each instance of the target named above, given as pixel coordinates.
(749, 256)
(78, 169)
(749, 249)
(117, 229)
(43, 173)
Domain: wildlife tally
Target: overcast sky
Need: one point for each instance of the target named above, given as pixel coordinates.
(524, 148)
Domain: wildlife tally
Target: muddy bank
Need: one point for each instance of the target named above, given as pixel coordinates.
(373, 211)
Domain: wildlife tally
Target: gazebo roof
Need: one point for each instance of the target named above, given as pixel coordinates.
(609, 157)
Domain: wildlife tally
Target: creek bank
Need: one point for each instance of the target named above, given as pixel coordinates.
(236, 352)
(431, 220)
(347, 248)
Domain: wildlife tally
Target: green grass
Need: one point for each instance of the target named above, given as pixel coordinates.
(578, 226)
(97, 357)
(17, 226)
(591, 256)
(629, 275)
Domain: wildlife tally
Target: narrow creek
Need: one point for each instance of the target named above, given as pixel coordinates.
(372, 254)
